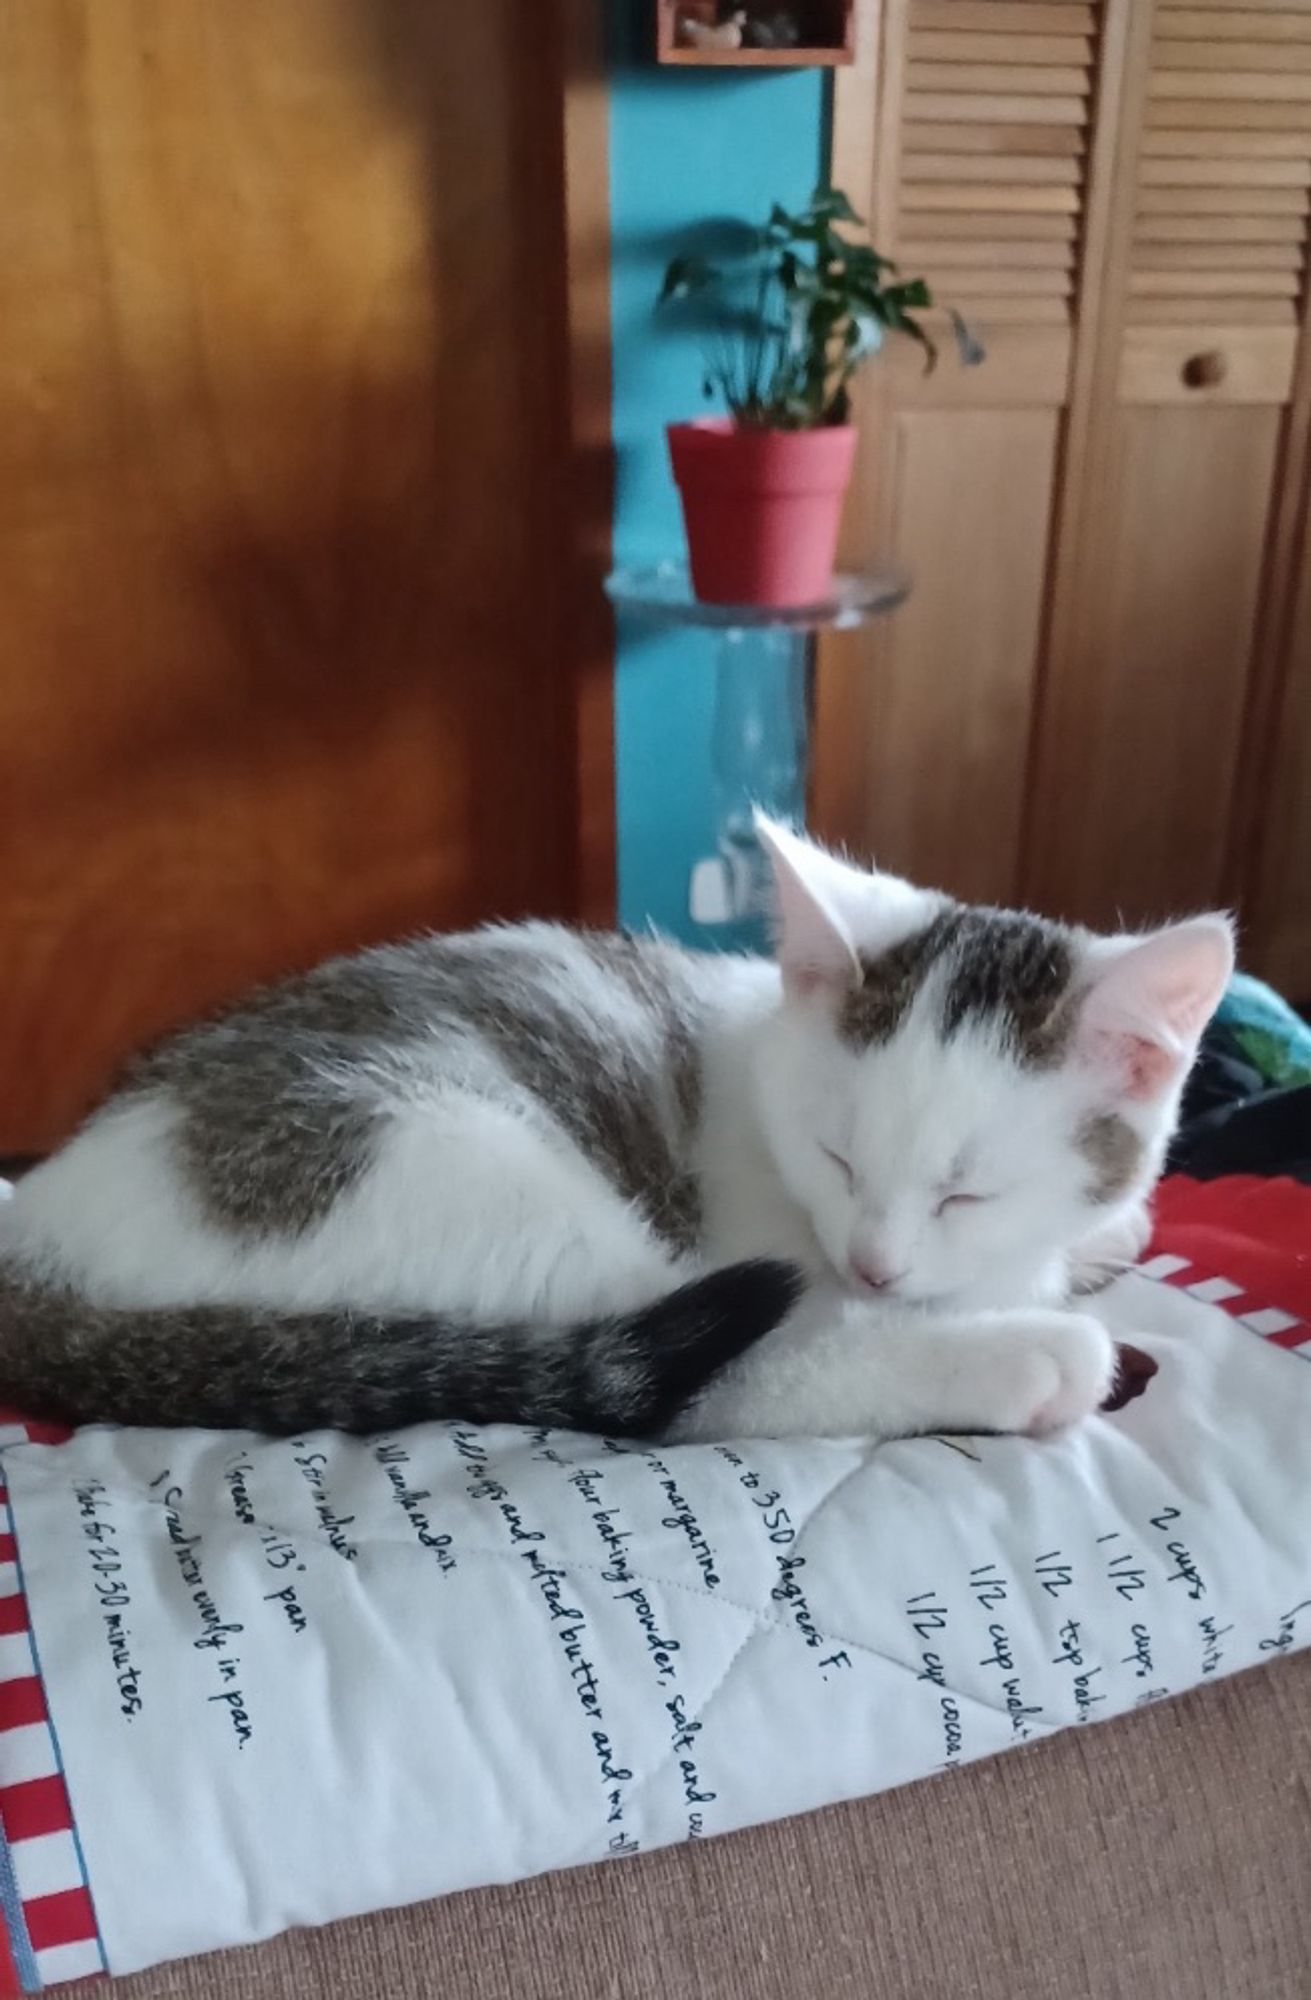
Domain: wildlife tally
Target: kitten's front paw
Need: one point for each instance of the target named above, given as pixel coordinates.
(1053, 1369)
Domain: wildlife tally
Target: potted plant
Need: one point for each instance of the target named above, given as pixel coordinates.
(791, 314)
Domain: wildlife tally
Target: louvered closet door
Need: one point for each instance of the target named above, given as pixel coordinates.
(970, 132)
(1159, 639)
(1277, 904)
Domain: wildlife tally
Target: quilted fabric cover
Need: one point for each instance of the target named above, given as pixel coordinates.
(246, 1684)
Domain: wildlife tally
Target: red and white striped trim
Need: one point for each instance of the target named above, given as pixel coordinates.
(53, 1933)
(1272, 1323)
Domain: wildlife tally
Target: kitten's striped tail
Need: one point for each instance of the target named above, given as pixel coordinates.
(222, 1367)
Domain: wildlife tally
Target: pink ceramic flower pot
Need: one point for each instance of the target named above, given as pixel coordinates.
(762, 508)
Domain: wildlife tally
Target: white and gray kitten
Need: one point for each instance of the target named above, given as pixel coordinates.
(551, 1177)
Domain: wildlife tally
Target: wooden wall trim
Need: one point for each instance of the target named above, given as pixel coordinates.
(862, 161)
(590, 627)
(853, 152)
(1112, 190)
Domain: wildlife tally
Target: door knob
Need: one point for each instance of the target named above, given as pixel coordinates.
(1205, 371)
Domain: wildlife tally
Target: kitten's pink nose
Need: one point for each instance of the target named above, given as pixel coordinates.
(873, 1275)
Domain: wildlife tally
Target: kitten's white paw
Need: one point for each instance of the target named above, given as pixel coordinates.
(1050, 1370)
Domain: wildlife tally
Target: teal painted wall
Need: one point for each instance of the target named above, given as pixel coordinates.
(685, 146)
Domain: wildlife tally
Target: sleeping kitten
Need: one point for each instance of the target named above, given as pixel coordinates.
(588, 1180)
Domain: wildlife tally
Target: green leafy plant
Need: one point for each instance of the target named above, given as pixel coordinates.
(794, 311)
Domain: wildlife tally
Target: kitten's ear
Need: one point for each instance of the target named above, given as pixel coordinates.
(1145, 1012)
(816, 953)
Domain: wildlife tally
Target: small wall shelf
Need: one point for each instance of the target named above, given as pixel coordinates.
(828, 28)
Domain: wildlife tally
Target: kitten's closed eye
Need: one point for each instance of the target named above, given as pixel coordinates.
(950, 1201)
(843, 1166)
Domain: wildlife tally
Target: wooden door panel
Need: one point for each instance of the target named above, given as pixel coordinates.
(1155, 679)
(1174, 555)
(1202, 363)
(1277, 930)
(1278, 935)
(950, 678)
(979, 121)
(281, 530)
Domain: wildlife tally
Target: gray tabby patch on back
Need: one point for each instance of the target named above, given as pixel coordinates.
(272, 1135)
(283, 1099)
(993, 965)
(631, 1103)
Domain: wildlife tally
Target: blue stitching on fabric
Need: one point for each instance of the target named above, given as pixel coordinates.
(11, 1907)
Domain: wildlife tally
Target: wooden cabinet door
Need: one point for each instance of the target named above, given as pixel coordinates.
(1088, 702)
(282, 486)
(969, 126)
(1187, 458)
(1277, 878)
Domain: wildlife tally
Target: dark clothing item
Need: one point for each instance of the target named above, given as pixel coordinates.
(1234, 1123)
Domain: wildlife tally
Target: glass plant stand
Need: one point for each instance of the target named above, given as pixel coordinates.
(761, 748)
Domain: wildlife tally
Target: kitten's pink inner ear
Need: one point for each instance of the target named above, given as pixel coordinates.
(815, 951)
(1146, 1068)
(1146, 1012)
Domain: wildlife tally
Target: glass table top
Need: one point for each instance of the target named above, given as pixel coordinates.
(663, 592)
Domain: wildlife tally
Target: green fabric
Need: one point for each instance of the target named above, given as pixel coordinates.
(1275, 1040)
